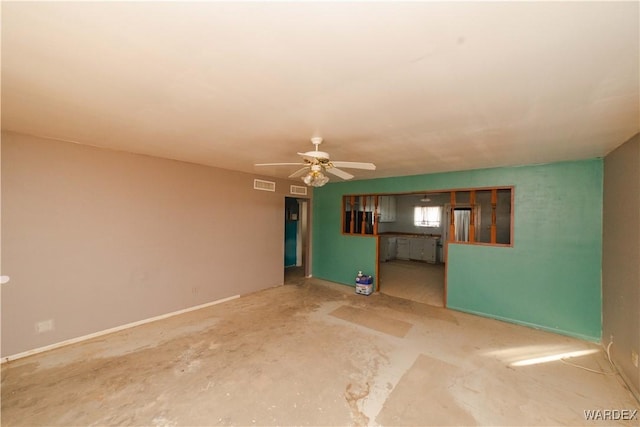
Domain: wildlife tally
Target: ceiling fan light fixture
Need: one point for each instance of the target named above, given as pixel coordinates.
(315, 178)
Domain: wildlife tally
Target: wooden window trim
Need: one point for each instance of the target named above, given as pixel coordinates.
(473, 233)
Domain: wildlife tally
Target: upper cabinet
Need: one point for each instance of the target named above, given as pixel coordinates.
(387, 208)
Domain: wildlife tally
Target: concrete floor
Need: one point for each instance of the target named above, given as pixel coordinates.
(315, 353)
(414, 280)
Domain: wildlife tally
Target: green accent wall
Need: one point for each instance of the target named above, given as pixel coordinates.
(337, 257)
(549, 279)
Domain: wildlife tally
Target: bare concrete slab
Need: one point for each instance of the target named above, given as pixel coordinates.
(371, 320)
(423, 397)
(280, 357)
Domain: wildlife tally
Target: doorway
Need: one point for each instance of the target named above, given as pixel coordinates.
(413, 280)
(296, 239)
(410, 264)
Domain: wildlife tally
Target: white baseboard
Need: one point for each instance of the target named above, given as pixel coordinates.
(112, 330)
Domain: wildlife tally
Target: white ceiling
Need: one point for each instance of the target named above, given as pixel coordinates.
(414, 87)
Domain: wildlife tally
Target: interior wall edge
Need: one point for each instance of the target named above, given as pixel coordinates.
(620, 254)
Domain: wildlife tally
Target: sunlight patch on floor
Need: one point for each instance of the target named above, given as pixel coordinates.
(537, 354)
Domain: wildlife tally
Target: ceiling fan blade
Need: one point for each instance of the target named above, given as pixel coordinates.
(279, 164)
(299, 172)
(339, 173)
(355, 165)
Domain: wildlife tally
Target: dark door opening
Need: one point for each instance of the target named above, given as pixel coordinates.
(296, 238)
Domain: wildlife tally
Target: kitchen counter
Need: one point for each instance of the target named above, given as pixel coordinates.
(401, 234)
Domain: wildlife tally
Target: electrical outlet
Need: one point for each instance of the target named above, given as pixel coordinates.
(44, 326)
(634, 358)
(611, 338)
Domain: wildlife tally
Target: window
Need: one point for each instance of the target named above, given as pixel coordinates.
(427, 216)
(475, 216)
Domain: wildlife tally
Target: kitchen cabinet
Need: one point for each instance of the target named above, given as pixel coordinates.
(423, 249)
(416, 248)
(388, 247)
(367, 203)
(387, 208)
(403, 247)
(430, 253)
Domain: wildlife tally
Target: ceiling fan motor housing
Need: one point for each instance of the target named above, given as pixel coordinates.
(318, 155)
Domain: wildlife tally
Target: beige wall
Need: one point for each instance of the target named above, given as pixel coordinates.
(620, 258)
(94, 239)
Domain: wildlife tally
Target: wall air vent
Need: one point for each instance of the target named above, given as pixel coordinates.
(298, 190)
(260, 184)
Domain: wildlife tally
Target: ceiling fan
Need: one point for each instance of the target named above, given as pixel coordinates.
(316, 163)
